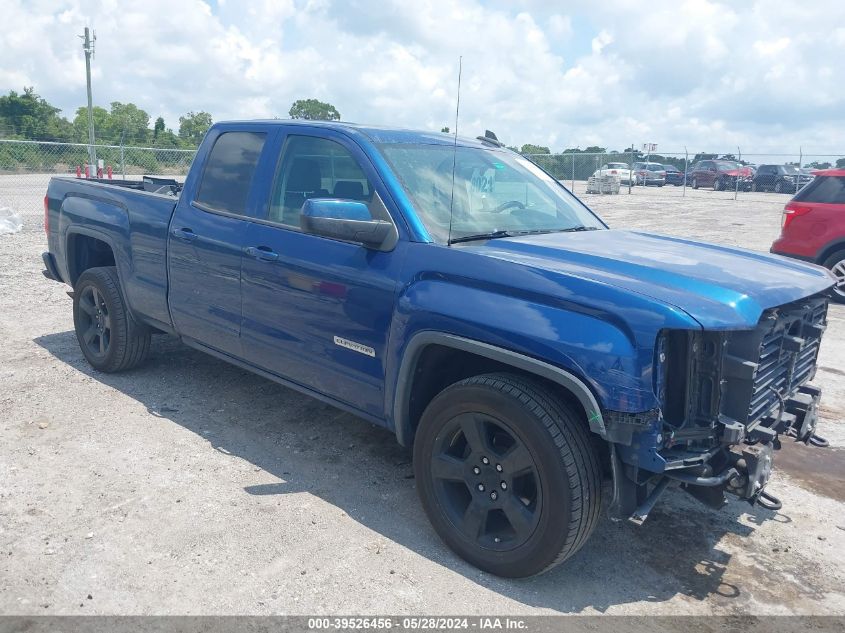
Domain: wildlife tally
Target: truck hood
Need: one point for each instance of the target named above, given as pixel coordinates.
(719, 286)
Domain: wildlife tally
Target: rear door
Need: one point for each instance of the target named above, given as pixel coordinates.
(317, 311)
(206, 239)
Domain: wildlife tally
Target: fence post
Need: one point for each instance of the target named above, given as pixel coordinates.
(630, 168)
(686, 169)
(572, 189)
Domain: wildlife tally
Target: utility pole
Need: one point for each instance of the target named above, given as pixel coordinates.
(88, 47)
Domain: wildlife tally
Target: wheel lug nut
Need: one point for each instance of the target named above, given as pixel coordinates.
(485, 461)
(499, 468)
(476, 470)
(493, 495)
(480, 487)
(504, 486)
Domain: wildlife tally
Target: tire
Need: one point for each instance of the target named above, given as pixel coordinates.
(754, 186)
(110, 339)
(836, 264)
(778, 187)
(717, 185)
(471, 440)
(695, 183)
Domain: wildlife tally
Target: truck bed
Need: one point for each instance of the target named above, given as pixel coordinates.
(128, 220)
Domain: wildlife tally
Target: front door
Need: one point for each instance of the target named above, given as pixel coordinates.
(205, 245)
(317, 311)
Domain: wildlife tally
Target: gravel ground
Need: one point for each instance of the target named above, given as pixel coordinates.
(189, 486)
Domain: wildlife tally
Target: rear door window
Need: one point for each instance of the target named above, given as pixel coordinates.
(824, 190)
(227, 176)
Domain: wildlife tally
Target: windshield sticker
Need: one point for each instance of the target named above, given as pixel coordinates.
(483, 182)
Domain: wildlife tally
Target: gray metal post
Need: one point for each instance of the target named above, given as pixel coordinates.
(686, 168)
(630, 169)
(88, 47)
(573, 173)
(736, 180)
(122, 158)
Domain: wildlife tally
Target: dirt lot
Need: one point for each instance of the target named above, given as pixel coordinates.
(189, 486)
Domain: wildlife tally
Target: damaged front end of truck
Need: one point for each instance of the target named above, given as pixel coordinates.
(726, 399)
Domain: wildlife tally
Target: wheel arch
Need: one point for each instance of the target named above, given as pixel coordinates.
(417, 383)
(829, 249)
(86, 248)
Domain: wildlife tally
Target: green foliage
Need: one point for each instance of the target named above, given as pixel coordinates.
(445, 129)
(840, 163)
(193, 126)
(158, 128)
(313, 110)
(529, 148)
(30, 117)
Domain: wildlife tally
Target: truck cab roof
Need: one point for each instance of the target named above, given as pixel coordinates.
(373, 133)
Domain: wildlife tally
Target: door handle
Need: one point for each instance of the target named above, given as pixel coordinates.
(186, 235)
(262, 253)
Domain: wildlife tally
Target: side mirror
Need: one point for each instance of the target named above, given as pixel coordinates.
(345, 220)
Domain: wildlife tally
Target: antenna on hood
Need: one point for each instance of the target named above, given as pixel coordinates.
(455, 151)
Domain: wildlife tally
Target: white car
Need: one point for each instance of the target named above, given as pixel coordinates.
(620, 170)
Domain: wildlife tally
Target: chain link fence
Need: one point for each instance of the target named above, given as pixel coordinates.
(727, 175)
(27, 166)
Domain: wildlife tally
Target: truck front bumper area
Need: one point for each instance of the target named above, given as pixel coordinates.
(741, 469)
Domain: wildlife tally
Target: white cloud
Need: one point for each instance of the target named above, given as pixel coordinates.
(763, 74)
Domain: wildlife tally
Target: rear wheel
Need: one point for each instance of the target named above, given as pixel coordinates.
(753, 186)
(507, 474)
(836, 264)
(108, 336)
(695, 183)
(717, 185)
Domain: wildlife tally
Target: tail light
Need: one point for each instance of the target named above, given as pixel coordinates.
(47, 215)
(613, 171)
(791, 211)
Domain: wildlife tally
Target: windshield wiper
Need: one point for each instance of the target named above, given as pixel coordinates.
(575, 229)
(501, 233)
(492, 235)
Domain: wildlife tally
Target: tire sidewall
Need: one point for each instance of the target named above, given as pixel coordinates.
(829, 263)
(550, 534)
(117, 334)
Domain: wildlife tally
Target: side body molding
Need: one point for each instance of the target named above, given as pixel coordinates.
(401, 404)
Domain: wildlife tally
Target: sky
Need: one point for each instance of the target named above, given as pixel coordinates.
(761, 75)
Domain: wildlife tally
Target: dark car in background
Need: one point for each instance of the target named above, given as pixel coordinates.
(813, 226)
(649, 174)
(780, 178)
(720, 174)
(674, 176)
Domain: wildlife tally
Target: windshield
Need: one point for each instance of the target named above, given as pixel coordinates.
(495, 191)
(617, 166)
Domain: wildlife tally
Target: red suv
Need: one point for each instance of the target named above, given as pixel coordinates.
(813, 227)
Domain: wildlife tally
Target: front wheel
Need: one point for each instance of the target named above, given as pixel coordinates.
(507, 475)
(717, 185)
(110, 339)
(695, 183)
(836, 264)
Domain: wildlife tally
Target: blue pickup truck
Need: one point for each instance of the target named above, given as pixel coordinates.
(457, 294)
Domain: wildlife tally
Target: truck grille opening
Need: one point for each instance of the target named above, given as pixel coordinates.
(772, 361)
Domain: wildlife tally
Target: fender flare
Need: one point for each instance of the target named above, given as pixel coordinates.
(421, 340)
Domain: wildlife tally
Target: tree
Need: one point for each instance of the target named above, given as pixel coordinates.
(445, 129)
(30, 117)
(193, 126)
(313, 110)
(840, 163)
(158, 128)
(529, 148)
(101, 124)
(127, 123)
